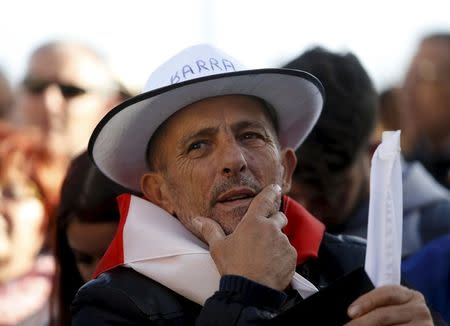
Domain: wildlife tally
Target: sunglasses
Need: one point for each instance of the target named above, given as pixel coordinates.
(38, 86)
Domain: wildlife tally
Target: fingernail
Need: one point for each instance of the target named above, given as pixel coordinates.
(277, 188)
(353, 311)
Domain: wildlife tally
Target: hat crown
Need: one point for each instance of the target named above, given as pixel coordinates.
(194, 62)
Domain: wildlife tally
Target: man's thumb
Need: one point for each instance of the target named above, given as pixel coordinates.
(207, 229)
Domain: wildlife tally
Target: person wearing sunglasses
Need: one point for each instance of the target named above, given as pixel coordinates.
(67, 88)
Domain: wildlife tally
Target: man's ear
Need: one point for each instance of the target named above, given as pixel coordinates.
(289, 162)
(154, 187)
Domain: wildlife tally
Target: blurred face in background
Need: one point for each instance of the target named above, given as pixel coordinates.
(65, 92)
(88, 242)
(335, 202)
(22, 217)
(427, 89)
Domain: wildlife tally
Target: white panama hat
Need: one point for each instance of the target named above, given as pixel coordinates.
(118, 145)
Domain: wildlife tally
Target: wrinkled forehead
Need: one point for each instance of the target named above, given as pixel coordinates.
(233, 107)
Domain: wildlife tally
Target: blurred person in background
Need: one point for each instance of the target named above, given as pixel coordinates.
(86, 221)
(6, 96)
(392, 116)
(30, 180)
(433, 282)
(67, 89)
(427, 97)
(333, 171)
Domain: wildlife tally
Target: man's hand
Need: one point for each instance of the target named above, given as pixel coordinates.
(257, 249)
(390, 305)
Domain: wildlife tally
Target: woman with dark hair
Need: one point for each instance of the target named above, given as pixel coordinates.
(86, 221)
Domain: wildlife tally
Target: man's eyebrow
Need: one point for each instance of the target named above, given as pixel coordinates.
(248, 124)
(205, 132)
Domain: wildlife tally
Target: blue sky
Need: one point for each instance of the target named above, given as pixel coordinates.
(137, 35)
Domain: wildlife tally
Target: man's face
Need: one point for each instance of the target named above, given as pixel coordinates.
(218, 154)
(335, 202)
(427, 87)
(63, 95)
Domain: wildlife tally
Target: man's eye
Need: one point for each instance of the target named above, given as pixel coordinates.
(196, 146)
(250, 135)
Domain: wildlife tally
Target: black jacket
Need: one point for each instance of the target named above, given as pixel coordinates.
(124, 297)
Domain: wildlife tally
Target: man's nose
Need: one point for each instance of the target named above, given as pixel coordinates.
(53, 100)
(233, 159)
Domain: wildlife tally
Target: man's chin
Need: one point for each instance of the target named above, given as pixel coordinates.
(231, 213)
(229, 218)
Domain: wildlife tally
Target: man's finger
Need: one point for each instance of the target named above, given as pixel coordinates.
(379, 297)
(279, 219)
(266, 203)
(414, 311)
(390, 315)
(208, 229)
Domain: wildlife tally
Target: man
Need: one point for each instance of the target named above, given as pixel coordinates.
(427, 94)
(332, 178)
(392, 115)
(67, 89)
(212, 145)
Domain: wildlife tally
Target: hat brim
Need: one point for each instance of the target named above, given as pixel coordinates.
(118, 144)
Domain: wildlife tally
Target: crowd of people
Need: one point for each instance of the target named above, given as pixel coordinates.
(219, 195)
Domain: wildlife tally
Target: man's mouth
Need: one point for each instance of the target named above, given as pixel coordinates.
(236, 197)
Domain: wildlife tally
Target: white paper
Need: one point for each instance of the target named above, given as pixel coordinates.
(304, 287)
(384, 232)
